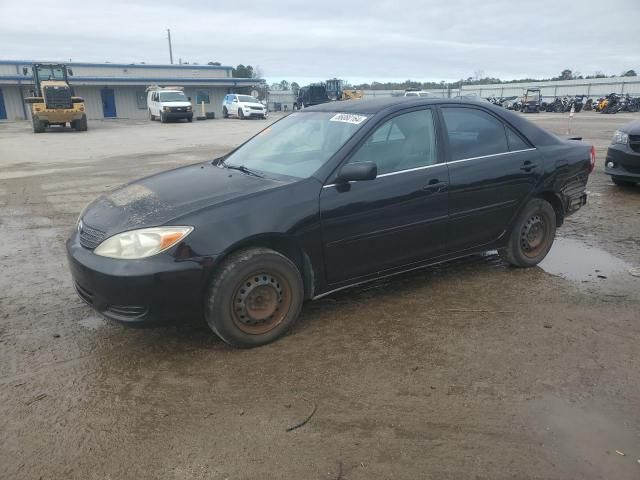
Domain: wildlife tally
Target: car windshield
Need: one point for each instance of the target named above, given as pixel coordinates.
(50, 73)
(247, 99)
(172, 97)
(424, 94)
(297, 145)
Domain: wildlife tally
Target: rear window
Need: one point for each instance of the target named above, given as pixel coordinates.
(473, 133)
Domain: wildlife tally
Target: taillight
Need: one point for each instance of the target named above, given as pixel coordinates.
(592, 159)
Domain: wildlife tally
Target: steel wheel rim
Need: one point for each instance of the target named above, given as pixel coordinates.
(534, 235)
(261, 303)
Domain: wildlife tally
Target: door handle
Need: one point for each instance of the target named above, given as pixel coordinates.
(435, 186)
(527, 166)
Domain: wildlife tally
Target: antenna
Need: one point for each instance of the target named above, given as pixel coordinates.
(170, 49)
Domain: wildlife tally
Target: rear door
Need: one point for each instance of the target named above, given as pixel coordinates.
(492, 170)
(398, 218)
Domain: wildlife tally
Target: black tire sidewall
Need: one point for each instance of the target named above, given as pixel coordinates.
(514, 253)
(230, 275)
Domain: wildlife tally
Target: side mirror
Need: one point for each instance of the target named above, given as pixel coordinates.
(358, 171)
(189, 98)
(70, 72)
(25, 71)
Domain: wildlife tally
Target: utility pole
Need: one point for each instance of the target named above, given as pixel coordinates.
(170, 49)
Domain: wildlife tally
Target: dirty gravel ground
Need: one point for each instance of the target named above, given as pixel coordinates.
(466, 370)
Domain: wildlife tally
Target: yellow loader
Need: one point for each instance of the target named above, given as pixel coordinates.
(52, 100)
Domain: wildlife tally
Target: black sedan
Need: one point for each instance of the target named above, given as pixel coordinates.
(326, 198)
(623, 155)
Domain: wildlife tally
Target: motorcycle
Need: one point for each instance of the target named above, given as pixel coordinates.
(588, 105)
(613, 104)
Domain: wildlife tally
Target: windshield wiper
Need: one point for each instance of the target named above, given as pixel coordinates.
(243, 169)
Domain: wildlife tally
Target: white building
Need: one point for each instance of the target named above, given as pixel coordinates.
(117, 90)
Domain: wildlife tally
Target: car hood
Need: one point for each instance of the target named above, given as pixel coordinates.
(252, 104)
(632, 127)
(158, 199)
(176, 104)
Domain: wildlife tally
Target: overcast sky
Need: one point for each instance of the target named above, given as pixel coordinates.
(356, 40)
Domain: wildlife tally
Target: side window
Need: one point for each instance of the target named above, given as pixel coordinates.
(473, 133)
(401, 143)
(515, 141)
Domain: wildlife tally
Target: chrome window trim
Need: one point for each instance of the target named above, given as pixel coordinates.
(492, 155)
(436, 164)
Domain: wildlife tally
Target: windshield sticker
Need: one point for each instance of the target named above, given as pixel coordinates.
(348, 118)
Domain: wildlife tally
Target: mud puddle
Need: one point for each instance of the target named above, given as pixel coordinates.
(578, 262)
(592, 440)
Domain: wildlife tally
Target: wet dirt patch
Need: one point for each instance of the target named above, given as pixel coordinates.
(576, 261)
(587, 441)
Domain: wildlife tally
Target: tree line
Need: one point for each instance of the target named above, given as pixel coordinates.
(248, 71)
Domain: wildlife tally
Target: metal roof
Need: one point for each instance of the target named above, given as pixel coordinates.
(119, 65)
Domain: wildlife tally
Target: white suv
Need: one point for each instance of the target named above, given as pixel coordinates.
(242, 106)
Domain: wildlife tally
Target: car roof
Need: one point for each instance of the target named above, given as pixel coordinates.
(537, 135)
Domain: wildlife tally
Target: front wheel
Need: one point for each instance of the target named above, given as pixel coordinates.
(81, 125)
(532, 235)
(163, 119)
(240, 114)
(38, 125)
(254, 298)
(225, 112)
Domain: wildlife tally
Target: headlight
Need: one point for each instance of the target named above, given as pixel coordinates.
(188, 109)
(165, 109)
(141, 243)
(620, 137)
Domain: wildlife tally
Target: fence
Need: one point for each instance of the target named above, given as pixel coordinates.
(594, 88)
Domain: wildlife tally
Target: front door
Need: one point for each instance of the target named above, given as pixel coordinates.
(3, 110)
(492, 168)
(397, 219)
(108, 103)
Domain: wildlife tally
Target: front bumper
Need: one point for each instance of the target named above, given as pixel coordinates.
(626, 162)
(177, 115)
(255, 113)
(157, 289)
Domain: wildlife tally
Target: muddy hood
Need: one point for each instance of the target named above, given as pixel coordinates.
(157, 200)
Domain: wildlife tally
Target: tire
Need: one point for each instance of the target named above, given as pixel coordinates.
(240, 114)
(151, 116)
(225, 112)
(38, 125)
(232, 297)
(189, 119)
(622, 183)
(81, 125)
(163, 119)
(532, 235)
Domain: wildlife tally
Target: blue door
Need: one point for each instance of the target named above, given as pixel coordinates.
(108, 103)
(3, 110)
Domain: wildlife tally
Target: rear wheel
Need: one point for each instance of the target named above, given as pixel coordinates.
(152, 117)
(38, 125)
(532, 235)
(254, 298)
(622, 183)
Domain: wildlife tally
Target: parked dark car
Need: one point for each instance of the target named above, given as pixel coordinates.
(326, 198)
(623, 155)
(311, 95)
